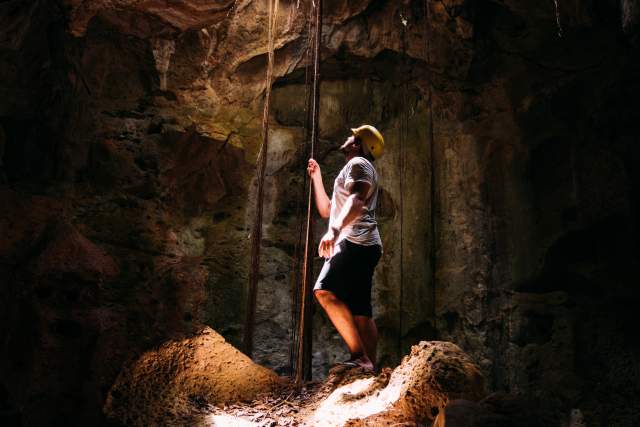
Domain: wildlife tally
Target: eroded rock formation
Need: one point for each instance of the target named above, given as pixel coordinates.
(416, 392)
(182, 382)
(162, 385)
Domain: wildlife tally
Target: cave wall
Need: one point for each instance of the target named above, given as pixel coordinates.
(129, 133)
(537, 205)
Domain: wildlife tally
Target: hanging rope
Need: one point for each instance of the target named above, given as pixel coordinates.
(404, 129)
(303, 352)
(297, 260)
(256, 235)
(432, 170)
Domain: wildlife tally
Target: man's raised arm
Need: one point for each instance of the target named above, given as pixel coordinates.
(323, 203)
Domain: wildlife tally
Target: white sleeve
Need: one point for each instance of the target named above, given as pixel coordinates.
(359, 171)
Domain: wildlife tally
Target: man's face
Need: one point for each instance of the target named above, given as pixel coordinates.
(350, 146)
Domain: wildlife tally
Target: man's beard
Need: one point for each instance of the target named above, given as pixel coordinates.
(345, 149)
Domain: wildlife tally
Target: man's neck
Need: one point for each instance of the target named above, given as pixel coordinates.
(350, 157)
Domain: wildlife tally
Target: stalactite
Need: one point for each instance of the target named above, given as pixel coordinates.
(163, 49)
(558, 23)
(630, 15)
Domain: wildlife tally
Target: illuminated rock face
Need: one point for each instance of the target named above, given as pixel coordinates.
(135, 126)
(163, 384)
(170, 385)
(415, 393)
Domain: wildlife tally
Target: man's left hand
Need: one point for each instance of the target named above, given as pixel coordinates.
(325, 249)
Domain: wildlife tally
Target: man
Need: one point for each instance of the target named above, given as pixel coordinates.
(351, 245)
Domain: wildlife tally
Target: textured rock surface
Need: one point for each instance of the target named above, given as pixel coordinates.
(133, 127)
(501, 409)
(163, 383)
(415, 393)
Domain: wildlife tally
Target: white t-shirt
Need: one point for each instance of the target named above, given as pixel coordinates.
(362, 230)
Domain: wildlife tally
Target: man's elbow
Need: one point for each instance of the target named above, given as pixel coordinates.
(326, 211)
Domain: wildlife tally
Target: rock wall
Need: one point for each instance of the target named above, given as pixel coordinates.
(129, 133)
(537, 207)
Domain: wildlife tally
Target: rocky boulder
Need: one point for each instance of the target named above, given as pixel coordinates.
(417, 391)
(204, 368)
(501, 409)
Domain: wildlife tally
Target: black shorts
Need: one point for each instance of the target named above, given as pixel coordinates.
(349, 275)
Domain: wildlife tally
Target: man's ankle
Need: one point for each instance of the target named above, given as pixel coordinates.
(358, 355)
(364, 362)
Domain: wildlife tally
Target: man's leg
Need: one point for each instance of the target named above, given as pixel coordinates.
(368, 335)
(345, 324)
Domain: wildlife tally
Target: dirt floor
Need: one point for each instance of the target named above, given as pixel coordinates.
(292, 406)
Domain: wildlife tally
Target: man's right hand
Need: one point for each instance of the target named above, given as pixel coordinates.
(313, 169)
(322, 200)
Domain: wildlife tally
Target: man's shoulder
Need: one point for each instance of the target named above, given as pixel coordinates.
(360, 161)
(358, 169)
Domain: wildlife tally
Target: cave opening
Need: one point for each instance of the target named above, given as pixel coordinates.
(508, 198)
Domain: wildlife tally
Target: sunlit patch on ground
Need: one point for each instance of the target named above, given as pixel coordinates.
(288, 408)
(314, 405)
(228, 421)
(347, 402)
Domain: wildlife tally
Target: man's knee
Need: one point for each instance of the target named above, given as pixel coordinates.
(323, 296)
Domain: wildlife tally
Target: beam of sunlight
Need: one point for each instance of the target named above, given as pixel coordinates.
(339, 407)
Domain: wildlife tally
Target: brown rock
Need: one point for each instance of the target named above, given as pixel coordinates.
(68, 251)
(23, 219)
(499, 409)
(202, 171)
(182, 15)
(204, 367)
(417, 391)
(465, 413)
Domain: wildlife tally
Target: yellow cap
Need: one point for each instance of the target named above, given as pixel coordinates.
(372, 140)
